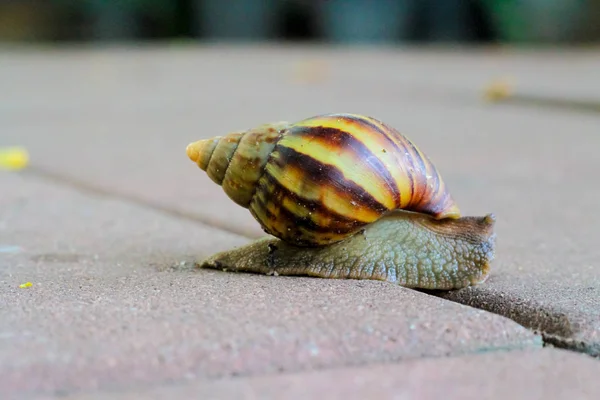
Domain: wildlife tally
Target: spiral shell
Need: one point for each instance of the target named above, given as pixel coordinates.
(323, 179)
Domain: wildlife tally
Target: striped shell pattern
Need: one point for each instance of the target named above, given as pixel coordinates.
(320, 180)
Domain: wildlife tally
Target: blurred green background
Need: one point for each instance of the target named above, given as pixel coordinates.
(340, 21)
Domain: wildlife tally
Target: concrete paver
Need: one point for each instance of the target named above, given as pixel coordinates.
(534, 375)
(565, 313)
(124, 120)
(115, 303)
(546, 272)
(152, 102)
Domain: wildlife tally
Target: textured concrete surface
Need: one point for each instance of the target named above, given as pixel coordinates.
(563, 307)
(110, 263)
(532, 375)
(153, 102)
(114, 303)
(124, 119)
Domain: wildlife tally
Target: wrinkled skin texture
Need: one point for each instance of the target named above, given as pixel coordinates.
(409, 249)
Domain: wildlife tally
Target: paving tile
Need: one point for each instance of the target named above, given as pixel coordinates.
(534, 375)
(134, 142)
(563, 306)
(123, 123)
(115, 303)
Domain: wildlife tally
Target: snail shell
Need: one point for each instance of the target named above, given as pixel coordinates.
(323, 179)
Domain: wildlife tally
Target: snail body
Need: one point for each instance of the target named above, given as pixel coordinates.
(323, 179)
(345, 196)
(408, 249)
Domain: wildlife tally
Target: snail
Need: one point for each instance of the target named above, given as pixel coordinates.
(345, 196)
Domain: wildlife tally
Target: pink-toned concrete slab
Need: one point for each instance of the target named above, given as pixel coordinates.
(116, 303)
(124, 119)
(122, 123)
(533, 375)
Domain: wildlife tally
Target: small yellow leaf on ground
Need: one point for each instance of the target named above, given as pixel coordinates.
(498, 89)
(13, 158)
(26, 285)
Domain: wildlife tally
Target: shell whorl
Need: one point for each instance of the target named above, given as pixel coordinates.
(322, 179)
(237, 160)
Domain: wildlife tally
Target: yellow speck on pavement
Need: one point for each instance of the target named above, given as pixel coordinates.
(13, 158)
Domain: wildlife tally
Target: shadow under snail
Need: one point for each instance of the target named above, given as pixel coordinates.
(345, 196)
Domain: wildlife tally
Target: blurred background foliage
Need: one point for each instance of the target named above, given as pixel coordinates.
(340, 21)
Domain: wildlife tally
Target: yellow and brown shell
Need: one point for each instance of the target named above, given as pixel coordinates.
(322, 179)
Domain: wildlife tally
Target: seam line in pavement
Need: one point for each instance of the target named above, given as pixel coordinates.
(567, 343)
(99, 191)
(547, 328)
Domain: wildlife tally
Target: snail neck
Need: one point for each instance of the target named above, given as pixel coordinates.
(470, 228)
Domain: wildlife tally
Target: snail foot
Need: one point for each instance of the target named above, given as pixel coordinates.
(408, 249)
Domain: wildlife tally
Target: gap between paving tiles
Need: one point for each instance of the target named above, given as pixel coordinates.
(547, 338)
(565, 343)
(99, 191)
